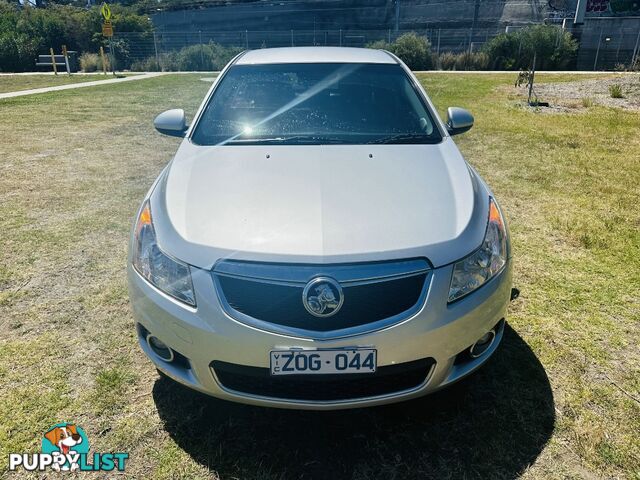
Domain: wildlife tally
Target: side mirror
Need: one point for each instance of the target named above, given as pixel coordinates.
(172, 122)
(459, 120)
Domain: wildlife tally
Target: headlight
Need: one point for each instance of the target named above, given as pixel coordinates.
(473, 271)
(167, 274)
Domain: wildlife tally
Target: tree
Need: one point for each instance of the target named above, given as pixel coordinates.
(554, 47)
(26, 32)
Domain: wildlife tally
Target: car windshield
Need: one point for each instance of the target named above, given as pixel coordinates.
(315, 104)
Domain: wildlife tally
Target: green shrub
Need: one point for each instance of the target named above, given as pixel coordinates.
(169, 62)
(26, 32)
(380, 45)
(205, 57)
(471, 61)
(554, 47)
(195, 57)
(463, 61)
(411, 48)
(414, 50)
(615, 91)
(149, 64)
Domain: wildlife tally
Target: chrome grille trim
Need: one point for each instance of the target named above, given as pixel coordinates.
(302, 273)
(297, 275)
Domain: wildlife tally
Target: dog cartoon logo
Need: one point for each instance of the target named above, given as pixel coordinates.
(65, 447)
(66, 439)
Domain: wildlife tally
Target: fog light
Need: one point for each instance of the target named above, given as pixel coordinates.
(483, 344)
(159, 348)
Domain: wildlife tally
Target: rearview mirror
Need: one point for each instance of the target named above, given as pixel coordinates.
(459, 120)
(172, 122)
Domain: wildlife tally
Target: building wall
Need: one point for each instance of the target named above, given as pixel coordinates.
(351, 14)
(607, 41)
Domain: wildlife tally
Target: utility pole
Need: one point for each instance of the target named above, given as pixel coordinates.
(595, 62)
(201, 50)
(476, 11)
(635, 49)
(581, 9)
(155, 47)
(397, 15)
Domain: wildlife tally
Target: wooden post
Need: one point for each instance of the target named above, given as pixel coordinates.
(66, 59)
(104, 63)
(53, 61)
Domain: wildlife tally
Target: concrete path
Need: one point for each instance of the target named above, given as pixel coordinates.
(129, 78)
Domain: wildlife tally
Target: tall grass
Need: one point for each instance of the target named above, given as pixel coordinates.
(615, 91)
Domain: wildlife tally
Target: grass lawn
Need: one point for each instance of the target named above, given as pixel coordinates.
(15, 83)
(559, 400)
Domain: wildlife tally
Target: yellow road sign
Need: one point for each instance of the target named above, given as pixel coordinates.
(107, 29)
(106, 12)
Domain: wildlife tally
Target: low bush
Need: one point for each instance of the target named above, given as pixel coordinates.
(447, 61)
(463, 61)
(615, 91)
(89, 62)
(149, 64)
(205, 57)
(414, 50)
(92, 62)
(587, 102)
(411, 48)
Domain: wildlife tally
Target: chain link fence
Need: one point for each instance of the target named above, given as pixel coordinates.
(600, 49)
(609, 48)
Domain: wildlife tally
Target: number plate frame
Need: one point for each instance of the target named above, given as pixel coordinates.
(330, 364)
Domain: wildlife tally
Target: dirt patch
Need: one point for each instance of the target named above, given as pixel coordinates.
(580, 95)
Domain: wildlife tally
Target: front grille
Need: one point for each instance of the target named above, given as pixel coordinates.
(259, 381)
(272, 294)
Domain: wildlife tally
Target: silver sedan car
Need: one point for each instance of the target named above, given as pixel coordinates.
(318, 241)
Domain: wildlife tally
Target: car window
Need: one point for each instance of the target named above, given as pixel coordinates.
(314, 104)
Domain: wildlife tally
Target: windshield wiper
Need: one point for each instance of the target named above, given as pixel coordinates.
(294, 139)
(405, 138)
(255, 141)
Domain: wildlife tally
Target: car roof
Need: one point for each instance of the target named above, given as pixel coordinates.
(314, 55)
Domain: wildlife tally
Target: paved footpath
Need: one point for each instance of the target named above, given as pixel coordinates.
(129, 78)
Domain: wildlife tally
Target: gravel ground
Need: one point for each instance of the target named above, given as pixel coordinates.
(571, 96)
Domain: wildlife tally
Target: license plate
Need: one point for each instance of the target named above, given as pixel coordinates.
(309, 362)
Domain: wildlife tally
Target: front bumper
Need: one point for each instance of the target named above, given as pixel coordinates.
(206, 334)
